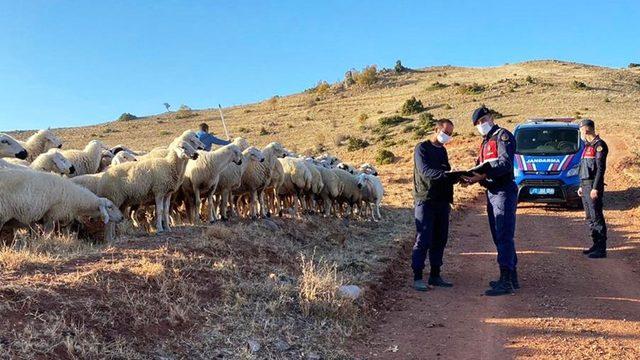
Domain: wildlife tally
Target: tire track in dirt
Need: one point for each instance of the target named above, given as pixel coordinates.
(569, 306)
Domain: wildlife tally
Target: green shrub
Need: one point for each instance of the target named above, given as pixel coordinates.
(437, 86)
(412, 106)
(263, 131)
(399, 68)
(389, 121)
(529, 79)
(472, 89)
(127, 117)
(634, 65)
(356, 144)
(165, 132)
(579, 85)
(427, 120)
(607, 99)
(385, 156)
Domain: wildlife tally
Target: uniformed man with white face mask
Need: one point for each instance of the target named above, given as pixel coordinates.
(433, 195)
(495, 173)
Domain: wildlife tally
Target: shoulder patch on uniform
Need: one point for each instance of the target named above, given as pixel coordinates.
(504, 137)
(599, 148)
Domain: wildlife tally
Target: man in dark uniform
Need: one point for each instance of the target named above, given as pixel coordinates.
(433, 195)
(592, 167)
(495, 173)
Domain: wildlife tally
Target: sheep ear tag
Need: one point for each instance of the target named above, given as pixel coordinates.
(105, 214)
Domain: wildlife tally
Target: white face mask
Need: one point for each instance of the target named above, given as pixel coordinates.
(443, 138)
(484, 128)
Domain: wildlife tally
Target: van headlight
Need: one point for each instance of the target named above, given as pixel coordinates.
(574, 171)
(517, 172)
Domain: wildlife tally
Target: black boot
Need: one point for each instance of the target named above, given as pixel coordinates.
(589, 250)
(436, 280)
(600, 251)
(514, 280)
(503, 286)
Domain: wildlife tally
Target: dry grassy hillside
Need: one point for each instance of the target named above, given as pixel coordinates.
(220, 290)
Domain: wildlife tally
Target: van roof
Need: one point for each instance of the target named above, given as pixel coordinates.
(549, 122)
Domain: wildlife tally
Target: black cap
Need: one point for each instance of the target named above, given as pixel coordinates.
(479, 113)
(587, 122)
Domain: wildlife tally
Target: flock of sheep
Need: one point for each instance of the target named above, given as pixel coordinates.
(42, 184)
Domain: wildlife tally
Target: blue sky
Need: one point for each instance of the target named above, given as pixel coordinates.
(68, 63)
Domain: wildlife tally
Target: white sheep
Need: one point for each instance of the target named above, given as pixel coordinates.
(10, 147)
(231, 179)
(332, 188)
(31, 196)
(188, 136)
(257, 177)
(122, 157)
(351, 194)
(317, 184)
(86, 161)
(50, 161)
(296, 182)
(89, 181)
(148, 181)
(348, 168)
(202, 175)
(368, 169)
(40, 142)
(372, 193)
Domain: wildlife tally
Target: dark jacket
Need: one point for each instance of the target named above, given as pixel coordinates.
(430, 181)
(497, 151)
(593, 163)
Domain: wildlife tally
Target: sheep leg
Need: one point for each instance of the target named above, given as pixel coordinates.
(109, 232)
(264, 211)
(327, 206)
(378, 210)
(253, 205)
(212, 214)
(159, 213)
(166, 212)
(197, 208)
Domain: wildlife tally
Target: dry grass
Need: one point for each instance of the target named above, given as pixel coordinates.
(205, 292)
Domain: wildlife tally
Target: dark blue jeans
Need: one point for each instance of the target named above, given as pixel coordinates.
(501, 210)
(595, 217)
(432, 232)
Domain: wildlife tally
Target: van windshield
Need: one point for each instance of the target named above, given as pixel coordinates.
(547, 141)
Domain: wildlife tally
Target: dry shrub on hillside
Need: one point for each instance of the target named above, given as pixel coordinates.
(357, 144)
(384, 156)
(367, 77)
(436, 86)
(579, 85)
(39, 248)
(184, 112)
(318, 289)
(471, 89)
(322, 88)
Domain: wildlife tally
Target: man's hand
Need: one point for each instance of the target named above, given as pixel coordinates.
(580, 191)
(593, 194)
(474, 179)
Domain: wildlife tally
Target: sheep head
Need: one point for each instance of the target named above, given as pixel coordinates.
(237, 154)
(276, 149)
(368, 169)
(9, 147)
(185, 151)
(363, 180)
(348, 168)
(123, 157)
(254, 154)
(63, 164)
(109, 212)
(241, 142)
(50, 140)
(190, 137)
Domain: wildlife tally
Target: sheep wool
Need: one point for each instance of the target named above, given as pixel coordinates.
(86, 161)
(40, 142)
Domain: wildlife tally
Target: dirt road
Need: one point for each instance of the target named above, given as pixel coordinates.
(569, 306)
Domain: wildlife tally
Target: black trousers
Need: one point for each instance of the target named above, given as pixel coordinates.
(432, 232)
(595, 217)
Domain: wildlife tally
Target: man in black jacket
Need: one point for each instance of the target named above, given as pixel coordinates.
(592, 167)
(433, 195)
